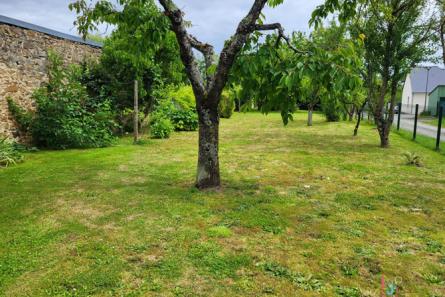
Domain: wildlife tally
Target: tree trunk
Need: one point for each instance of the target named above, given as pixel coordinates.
(351, 113)
(208, 175)
(383, 130)
(309, 117)
(358, 124)
(384, 137)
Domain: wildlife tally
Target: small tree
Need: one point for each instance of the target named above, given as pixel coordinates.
(397, 37)
(322, 68)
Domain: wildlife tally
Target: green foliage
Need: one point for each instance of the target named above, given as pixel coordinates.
(322, 68)
(178, 106)
(183, 97)
(141, 48)
(66, 117)
(160, 124)
(9, 154)
(184, 120)
(331, 109)
(226, 106)
(22, 117)
(413, 159)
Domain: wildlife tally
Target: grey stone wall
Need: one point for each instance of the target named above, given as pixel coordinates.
(23, 62)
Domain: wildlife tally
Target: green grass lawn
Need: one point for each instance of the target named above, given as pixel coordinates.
(304, 211)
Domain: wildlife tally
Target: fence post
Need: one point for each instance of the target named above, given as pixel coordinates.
(398, 116)
(136, 112)
(415, 122)
(437, 109)
(439, 128)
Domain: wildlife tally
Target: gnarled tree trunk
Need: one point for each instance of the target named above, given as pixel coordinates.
(208, 161)
(208, 89)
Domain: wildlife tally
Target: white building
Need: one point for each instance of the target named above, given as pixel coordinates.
(418, 85)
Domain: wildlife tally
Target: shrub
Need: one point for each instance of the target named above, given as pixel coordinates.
(66, 117)
(226, 106)
(184, 120)
(161, 128)
(9, 154)
(183, 98)
(331, 111)
(21, 116)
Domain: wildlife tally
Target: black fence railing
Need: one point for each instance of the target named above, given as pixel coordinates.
(406, 120)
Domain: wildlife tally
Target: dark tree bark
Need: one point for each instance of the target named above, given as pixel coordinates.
(208, 90)
(208, 162)
(359, 118)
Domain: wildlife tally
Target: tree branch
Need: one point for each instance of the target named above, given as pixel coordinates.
(281, 35)
(233, 47)
(208, 52)
(185, 46)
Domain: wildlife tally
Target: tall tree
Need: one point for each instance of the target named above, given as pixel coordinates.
(207, 89)
(397, 36)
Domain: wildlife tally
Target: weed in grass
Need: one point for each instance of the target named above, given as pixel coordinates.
(433, 246)
(305, 282)
(348, 292)
(219, 231)
(349, 269)
(413, 159)
(434, 279)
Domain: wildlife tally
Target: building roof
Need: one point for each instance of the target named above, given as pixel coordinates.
(25, 25)
(418, 76)
(437, 87)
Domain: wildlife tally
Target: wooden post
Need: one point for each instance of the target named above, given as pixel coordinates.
(136, 112)
(439, 128)
(415, 122)
(398, 116)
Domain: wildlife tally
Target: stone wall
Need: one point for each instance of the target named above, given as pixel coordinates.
(23, 63)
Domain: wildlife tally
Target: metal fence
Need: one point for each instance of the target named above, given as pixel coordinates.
(407, 121)
(411, 108)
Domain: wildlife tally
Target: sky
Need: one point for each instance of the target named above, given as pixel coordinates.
(213, 21)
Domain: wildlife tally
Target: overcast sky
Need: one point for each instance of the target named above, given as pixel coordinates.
(213, 20)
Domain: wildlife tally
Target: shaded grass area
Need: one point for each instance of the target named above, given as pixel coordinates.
(304, 211)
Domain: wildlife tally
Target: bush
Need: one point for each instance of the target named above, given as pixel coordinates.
(161, 128)
(9, 154)
(226, 106)
(66, 117)
(331, 110)
(21, 116)
(183, 98)
(184, 120)
(182, 117)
